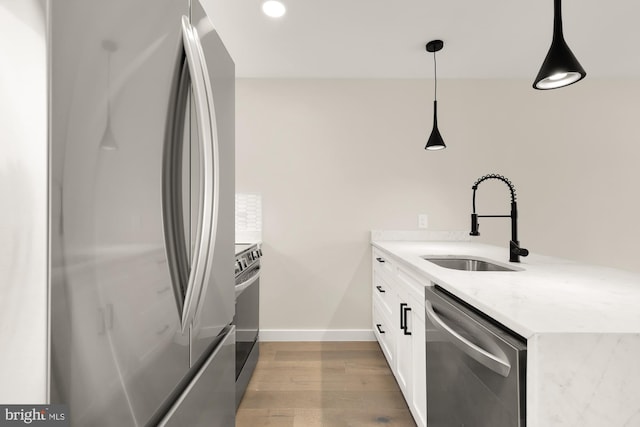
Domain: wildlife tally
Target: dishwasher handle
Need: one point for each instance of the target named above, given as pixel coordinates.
(489, 360)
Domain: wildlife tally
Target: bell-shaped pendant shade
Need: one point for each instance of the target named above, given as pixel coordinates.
(560, 67)
(435, 139)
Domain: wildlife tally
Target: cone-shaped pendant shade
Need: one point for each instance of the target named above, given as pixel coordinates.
(435, 139)
(560, 67)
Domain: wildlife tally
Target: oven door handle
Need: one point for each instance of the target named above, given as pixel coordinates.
(244, 285)
(489, 360)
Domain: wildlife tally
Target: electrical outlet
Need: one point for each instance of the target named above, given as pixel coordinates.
(423, 221)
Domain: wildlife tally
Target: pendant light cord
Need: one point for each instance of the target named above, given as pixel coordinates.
(435, 77)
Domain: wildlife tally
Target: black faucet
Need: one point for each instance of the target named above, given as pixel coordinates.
(515, 251)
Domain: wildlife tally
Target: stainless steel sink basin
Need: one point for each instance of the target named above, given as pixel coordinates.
(468, 264)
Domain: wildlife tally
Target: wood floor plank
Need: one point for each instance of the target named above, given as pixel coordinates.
(318, 345)
(307, 384)
(265, 417)
(323, 399)
(325, 355)
(288, 373)
(329, 382)
(352, 418)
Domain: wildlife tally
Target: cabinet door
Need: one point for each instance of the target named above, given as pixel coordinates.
(411, 359)
(404, 350)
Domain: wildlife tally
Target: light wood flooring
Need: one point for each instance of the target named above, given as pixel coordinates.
(328, 384)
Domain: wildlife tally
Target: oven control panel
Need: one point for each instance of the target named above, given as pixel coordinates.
(246, 256)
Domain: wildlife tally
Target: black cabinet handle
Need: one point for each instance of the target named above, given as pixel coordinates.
(402, 316)
(379, 328)
(406, 327)
(380, 259)
(379, 288)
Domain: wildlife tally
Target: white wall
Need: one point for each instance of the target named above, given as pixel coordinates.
(334, 159)
(23, 192)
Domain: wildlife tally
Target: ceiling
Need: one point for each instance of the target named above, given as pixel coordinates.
(386, 38)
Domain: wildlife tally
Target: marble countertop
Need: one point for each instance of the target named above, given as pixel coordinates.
(547, 295)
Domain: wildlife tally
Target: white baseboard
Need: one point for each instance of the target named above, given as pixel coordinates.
(317, 335)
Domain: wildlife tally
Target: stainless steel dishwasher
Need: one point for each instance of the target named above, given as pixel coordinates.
(476, 369)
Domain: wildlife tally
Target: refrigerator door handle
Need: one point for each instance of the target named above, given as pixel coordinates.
(214, 167)
(200, 261)
(175, 242)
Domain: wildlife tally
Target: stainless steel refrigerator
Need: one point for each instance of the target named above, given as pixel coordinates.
(141, 214)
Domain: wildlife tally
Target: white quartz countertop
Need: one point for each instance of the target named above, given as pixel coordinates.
(548, 295)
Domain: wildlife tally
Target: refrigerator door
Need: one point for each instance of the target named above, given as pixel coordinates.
(215, 304)
(118, 351)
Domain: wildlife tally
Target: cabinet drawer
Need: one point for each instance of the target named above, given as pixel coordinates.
(382, 328)
(382, 264)
(383, 294)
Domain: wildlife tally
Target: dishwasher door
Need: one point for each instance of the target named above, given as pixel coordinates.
(476, 370)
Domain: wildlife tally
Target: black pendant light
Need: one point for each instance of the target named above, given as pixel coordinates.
(560, 67)
(435, 139)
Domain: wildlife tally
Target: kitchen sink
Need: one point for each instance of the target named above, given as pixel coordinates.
(467, 264)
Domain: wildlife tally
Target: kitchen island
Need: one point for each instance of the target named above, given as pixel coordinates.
(581, 324)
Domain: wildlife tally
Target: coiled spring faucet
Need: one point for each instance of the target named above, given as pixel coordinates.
(515, 251)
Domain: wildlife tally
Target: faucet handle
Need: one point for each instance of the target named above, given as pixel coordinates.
(474, 225)
(515, 251)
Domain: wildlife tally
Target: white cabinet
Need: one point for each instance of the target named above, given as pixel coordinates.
(398, 309)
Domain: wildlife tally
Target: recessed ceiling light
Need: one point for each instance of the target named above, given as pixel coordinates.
(273, 8)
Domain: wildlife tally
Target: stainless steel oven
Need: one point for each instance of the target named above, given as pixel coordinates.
(476, 369)
(247, 314)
